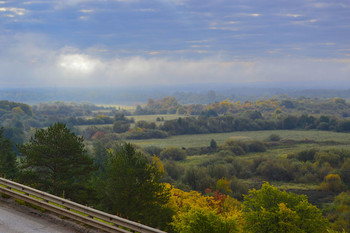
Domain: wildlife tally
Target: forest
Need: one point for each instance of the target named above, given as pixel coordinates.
(280, 164)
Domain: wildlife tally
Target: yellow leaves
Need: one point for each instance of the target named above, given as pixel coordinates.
(158, 164)
(332, 182)
(181, 200)
(332, 178)
(191, 207)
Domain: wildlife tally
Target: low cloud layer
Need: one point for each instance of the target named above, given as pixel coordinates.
(42, 66)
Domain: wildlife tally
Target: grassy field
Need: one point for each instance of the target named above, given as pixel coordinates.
(319, 137)
(200, 140)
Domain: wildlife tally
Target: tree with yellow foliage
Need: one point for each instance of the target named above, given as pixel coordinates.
(196, 213)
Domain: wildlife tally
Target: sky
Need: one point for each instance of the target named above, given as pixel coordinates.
(106, 43)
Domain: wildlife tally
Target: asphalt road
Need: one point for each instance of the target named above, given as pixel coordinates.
(14, 221)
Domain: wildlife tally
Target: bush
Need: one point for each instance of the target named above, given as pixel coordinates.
(307, 155)
(256, 146)
(274, 138)
(173, 153)
(276, 170)
(332, 183)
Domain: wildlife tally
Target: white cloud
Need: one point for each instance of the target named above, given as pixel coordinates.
(292, 15)
(86, 11)
(30, 60)
(305, 22)
(84, 17)
(78, 63)
(13, 10)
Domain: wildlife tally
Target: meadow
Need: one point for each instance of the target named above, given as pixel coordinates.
(202, 140)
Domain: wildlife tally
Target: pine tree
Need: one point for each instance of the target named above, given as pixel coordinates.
(132, 187)
(8, 164)
(55, 160)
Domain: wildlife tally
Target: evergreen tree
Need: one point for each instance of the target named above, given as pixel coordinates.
(55, 160)
(132, 187)
(8, 164)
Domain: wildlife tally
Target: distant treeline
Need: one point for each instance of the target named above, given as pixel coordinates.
(189, 94)
(221, 124)
(279, 105)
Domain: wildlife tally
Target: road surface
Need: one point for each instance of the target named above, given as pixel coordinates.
(14, 221)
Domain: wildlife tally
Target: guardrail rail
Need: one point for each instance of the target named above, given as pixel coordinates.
(86, 215)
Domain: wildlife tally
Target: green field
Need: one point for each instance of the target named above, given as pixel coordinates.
(200, 140)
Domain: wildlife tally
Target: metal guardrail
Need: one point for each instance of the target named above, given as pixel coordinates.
(72, 210)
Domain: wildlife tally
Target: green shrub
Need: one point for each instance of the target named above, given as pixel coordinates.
(173, 153)
(274, 138)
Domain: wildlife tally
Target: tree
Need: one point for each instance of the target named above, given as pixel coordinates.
(55, 160)
(121, 123)
(8, 164)
(272, 210)
(213, 144)
(341, 212)
(121, 126)
(196, 213)
(132, 187)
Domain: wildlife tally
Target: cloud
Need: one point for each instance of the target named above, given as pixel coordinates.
(84, 17)
(59, 5)
(13, 11)
(291, 15)
(225, 26)
(86, 11)
(78, 63)
(31, 61)
(252, 15)
(305, 22)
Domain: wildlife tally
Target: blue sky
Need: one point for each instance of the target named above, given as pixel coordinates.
(85, 43)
